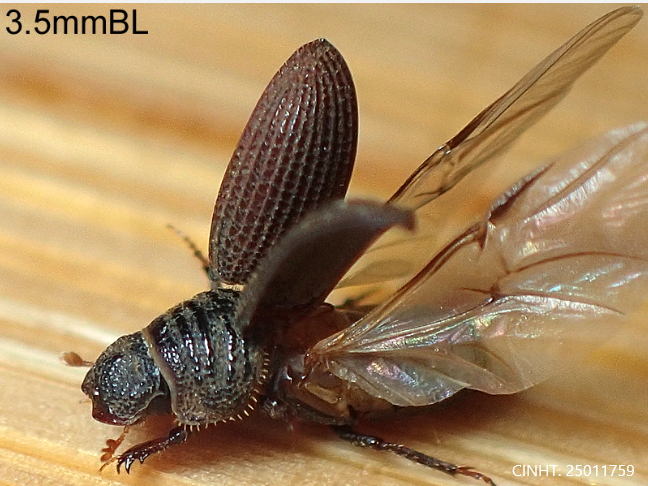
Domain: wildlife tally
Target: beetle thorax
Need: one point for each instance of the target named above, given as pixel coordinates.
(211, 370)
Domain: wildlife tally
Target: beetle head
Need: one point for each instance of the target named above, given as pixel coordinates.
(124, 384)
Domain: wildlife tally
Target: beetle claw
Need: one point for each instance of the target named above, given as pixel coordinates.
(127, 460)
(140, 452)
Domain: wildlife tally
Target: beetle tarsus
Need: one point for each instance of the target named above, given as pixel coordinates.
(141, 451)
(346, 433)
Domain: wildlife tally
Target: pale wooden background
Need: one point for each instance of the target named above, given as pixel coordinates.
(105, 139)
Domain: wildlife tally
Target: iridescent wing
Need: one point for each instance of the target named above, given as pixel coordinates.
(489, 134)
(559, 261)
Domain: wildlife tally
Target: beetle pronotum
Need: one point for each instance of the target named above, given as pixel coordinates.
(554, 257)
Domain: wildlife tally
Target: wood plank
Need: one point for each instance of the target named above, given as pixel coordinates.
(104, 139)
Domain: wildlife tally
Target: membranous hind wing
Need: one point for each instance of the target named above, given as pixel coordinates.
(560, 258)
(489, 134)
(495, 128)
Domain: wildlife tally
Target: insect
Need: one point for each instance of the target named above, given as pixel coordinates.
(557, 257)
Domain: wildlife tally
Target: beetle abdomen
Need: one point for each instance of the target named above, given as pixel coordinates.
(211, 371)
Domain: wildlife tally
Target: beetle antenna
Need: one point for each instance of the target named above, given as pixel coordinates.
(346, 433)
(71, 358)
(111, 447)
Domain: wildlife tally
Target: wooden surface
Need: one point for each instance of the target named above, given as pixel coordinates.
(106, 139)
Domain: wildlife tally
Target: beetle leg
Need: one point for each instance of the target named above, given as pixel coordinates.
(346, 433)
(193, 247)
(140, 452)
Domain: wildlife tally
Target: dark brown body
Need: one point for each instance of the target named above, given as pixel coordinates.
(299, 387)
(213, 357)
(188, 342)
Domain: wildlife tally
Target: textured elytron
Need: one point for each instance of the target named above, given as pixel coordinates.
(296, 152)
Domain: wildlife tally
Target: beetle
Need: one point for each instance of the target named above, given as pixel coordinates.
(553, 259)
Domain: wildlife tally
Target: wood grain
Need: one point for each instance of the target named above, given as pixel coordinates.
(104, 139)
